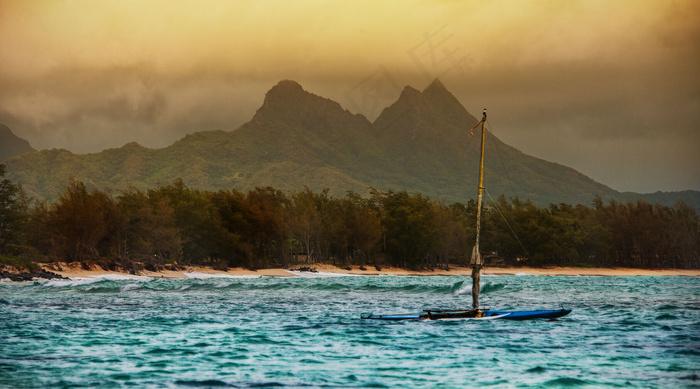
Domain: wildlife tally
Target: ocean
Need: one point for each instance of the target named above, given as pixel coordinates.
(116, 331)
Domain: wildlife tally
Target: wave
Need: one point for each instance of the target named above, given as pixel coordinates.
(72, 282)
(320, 274)
(203, 276)
(566, 381)
(461, 289)
(77, 281)
(221, 283)
(129, 287)
(123, 277)
(204, 384)
(490, 288)
(222, 384)
(486, 288)
(668, 307)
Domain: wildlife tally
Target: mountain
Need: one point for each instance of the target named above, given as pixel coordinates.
(420, 143)
(429, 134)
(295, 138)
(11, 144)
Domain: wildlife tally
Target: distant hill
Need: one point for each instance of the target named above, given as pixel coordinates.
(11, 144)
(420, 143)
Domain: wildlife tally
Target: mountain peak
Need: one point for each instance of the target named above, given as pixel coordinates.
(287, 86)
(436, 86)
(436, 91)
(409, 92)
(287, 95)
(285, 90)
(288, 104)
(434, 103)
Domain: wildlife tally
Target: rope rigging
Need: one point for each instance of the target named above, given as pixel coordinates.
(495, 205)
(498, 151)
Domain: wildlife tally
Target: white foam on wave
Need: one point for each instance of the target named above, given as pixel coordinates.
(320, 274)
(76, 281)
(73, 281)
(129, 287)
(123, 277)
(466, 289)
(200, 275)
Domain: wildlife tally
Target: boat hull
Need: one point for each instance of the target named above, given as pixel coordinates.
(485, 314)
(528, 315)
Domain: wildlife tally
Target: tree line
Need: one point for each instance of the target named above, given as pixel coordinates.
(265, 227)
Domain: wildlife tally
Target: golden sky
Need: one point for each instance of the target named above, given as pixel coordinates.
(610, 88)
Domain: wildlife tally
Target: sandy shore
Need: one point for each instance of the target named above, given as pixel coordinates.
(73, 271)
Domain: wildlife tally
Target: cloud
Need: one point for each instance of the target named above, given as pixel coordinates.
(567, 81)
(86, 110)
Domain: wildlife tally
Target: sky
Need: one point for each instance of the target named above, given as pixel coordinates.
(609, 88)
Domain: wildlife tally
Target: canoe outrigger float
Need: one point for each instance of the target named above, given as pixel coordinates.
(441, 314)
(477, 263)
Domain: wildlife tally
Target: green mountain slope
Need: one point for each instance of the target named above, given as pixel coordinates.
(420, 143)
(429, 132)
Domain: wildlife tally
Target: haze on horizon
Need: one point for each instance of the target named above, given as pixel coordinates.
(609, 88)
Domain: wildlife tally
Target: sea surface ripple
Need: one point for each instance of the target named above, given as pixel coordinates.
(307, 332)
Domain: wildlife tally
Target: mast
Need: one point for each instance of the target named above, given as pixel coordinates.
(477, 261)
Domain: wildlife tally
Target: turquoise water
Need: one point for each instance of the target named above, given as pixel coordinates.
(307, 332)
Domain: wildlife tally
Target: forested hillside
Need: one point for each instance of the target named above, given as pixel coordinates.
(421, 143)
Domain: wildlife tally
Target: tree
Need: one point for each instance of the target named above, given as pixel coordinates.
(410, 226)
(267, 215)
(13, 212)
(305, 220)
(685, 236)
(234, 231)
(452, 237)
(197, 220)
(151, 229)
(365, 226)
(81, 220)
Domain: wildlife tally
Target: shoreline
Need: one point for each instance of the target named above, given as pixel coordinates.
(72, 272)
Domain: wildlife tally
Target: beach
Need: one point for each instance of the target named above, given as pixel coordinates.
(74, 270)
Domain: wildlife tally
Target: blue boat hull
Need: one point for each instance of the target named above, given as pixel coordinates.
(486, 313)
(527, 315)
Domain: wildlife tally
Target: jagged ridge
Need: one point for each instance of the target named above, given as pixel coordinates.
(419, 143)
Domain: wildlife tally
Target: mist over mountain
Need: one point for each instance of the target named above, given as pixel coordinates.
(421, 143)
(11, 144)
